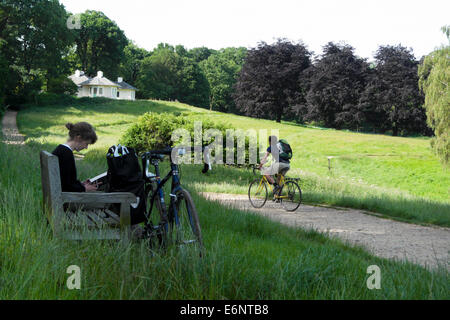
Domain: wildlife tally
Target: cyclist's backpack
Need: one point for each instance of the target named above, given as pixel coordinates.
(125, 175)
(285, 151)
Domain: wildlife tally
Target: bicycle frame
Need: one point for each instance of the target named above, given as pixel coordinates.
(175, 187)
(264, 180)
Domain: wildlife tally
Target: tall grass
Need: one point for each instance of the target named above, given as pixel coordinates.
(247, 256)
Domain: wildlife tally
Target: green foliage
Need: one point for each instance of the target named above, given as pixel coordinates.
(154, 130)
(34, 40)
(434, 80)
(51, 99)
(62, 85)
(169, 74)
(132, 61)
(100, 44)
(200, 54)
(222, 70)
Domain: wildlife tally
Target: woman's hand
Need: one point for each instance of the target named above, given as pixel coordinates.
(89, 186)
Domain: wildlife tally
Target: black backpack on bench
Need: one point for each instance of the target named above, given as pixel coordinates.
(125, 175)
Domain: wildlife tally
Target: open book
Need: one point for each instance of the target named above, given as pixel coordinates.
(100, 178)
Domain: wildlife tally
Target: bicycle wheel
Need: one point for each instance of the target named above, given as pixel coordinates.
(290, 196)
(257, 193)
(156, 221)
(184, 226)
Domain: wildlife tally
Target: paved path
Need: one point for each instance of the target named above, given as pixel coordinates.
(10, 132)
(427, 246)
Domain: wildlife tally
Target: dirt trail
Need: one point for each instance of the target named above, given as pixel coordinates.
(10, 132)
(425, 245)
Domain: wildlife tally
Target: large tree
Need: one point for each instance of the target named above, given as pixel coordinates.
(100, 44)
(268, 84)
(222, 70)
(392, 98)
(131, 64)
(35, 38)
(170, 74)
(434, 80)
(335, 84)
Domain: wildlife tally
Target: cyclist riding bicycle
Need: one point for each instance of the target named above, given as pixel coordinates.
(281, 155)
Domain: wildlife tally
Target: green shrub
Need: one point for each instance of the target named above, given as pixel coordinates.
(154, 131)
(62, 85)
(50, 98)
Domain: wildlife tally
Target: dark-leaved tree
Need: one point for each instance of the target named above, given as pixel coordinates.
(268, 84)
(335, 84)
(392, 99)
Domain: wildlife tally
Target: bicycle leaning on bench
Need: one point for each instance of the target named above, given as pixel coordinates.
(289, 195)
(179, 223)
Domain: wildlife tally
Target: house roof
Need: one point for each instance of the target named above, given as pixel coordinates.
(78, 80)
(99, 81)
(124, 85)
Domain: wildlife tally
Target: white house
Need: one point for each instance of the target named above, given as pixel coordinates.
(100, 86)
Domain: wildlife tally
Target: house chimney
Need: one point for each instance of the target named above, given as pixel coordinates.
(119, 79)
(100, 74)
(77, 73)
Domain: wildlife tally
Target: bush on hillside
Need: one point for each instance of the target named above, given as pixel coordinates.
(49, 98)
(154, 131)
(62, 85)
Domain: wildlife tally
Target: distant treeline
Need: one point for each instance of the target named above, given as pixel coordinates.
(279, 81)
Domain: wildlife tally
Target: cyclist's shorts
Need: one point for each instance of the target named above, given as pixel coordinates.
(276, 167)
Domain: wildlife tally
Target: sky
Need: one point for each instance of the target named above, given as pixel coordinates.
(363, 24)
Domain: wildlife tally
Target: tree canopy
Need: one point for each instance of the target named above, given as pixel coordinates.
(222, 70)
(434, 75)
(171, 75)
(268, 84)
(392, 95)
(336, 81)
(100, 44)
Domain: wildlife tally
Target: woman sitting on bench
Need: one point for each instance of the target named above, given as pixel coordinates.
(81, 135)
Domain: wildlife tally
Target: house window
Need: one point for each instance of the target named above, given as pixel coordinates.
(118, 94)
(90, 90)
(100, 91)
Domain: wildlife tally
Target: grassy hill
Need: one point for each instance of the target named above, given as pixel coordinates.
(247, 256)
(395, 176)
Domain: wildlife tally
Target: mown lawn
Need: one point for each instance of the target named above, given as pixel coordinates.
(398, 177)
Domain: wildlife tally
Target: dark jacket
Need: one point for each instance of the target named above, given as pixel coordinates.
(67, 170)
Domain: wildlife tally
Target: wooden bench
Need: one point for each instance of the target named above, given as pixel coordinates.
(91, 219)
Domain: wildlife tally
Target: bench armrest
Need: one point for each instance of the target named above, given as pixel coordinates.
(88, 197)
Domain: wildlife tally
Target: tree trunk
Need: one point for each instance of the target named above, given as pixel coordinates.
(395, 131)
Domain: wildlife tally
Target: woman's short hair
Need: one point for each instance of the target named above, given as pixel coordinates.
(82, 129)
